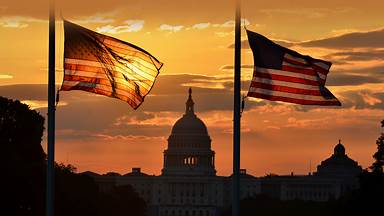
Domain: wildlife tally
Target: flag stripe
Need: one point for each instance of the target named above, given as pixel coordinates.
(103, 81)
(322, 65)
(313, 66)
(135, 59)
(125, 50)
(294, 100)
(129, 52)
(286, 63)
(291, 61)
(146, 84)
(287, 94)
(289, 57)
(114, 78)
(103, 70)
(320, 69)
(100, 75)
(275, 75)
(115, 68)
(310, 72)
(285, 89)
(302, 61)
(140, 63)
(296, 74)
(283, 83)
(125, 46)
(106, 88)
(101, 92)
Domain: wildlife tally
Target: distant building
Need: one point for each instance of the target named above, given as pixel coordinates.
(189, 186)
(335, 176)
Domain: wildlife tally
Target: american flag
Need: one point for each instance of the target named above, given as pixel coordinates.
(281, 74)
(107, 66)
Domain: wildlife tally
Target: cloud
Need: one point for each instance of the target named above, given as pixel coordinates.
(129, 138)
(363, 98)
(97, 18)
(24, 91)
(309, 123)
(38, 104)
(310, 13)
(166, 27)
(209, 82)
(364, 55)
(356, 76)
(227, 25)
(150, 119)
(231, 23)
(370, 99)
(5, 76)
(348, 79)
(129, 26)
(201, 25)
(225, 34)
(17, 21)
(35, 104)
(371, 39)
(231, 67)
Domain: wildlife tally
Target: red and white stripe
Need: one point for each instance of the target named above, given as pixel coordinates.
(92, 76)
(298, 82)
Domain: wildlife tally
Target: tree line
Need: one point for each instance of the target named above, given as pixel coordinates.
(23, 175)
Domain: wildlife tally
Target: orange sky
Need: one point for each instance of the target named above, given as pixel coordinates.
(193, 39)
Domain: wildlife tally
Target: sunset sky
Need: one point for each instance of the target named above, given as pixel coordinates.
(194, 40)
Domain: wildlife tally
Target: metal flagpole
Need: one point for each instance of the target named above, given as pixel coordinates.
(51, 113)
(236, 117)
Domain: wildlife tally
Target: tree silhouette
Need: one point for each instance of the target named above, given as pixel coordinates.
(75, 195)
(23, 174)
(122, 200)
(22, 159)
(377, 166)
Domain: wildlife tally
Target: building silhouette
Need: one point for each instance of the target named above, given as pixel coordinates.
(188, 184)
(334, 177)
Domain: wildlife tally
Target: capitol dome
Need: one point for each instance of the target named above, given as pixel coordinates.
(339, 164)
(339, 149)
(189, 123)
(189, 146)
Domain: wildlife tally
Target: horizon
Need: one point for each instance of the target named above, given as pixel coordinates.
(100, 134)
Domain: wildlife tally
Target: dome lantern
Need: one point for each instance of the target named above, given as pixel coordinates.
(189, 110)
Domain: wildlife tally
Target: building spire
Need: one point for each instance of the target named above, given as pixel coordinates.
(189, 104)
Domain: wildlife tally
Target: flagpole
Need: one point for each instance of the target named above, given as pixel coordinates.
(236, 116)
(51, 113)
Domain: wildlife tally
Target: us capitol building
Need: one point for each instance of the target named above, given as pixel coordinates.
(188, 184)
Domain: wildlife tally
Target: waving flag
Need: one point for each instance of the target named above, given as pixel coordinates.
(107, 66)
(281, 74)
